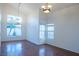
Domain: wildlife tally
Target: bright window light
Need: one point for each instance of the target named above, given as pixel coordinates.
(14, 49)
(13, 25)
(42, 31)
(47, 31)
(50, 31)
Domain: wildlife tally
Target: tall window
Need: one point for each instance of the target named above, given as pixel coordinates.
(42, 31)
(50, 31)
(13, 25)
(47, 31)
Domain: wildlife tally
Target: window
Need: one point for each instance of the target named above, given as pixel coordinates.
(50, 31)
(42, 31)
(13, 25)
(47, 31)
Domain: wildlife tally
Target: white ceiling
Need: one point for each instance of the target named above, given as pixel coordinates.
(34, 6)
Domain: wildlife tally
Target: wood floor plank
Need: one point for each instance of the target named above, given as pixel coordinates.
(26, 48)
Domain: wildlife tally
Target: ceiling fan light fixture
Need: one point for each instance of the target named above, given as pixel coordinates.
(46, 8)
(43, 6)
(46, 11)
(49, 6)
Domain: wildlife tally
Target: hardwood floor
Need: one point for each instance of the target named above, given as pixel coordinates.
(25, 48)
(56, 51)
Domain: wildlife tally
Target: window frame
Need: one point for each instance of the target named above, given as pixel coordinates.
(46, 36)
(50, 25)
(14, 25)
(40, 30)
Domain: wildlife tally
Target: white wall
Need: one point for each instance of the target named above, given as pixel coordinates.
(0, 22)
(30, 22)
(33, 26)
(42, 21)
(0, 27)
(66, 28)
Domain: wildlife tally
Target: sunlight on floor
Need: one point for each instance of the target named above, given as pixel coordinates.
(42, 52)
(14, 49)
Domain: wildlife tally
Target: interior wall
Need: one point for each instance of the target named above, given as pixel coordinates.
(66, 28)
(42, 21)
(0, 22)
(33, 27)
(30, 23)
(0, 26)
(45, 19)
